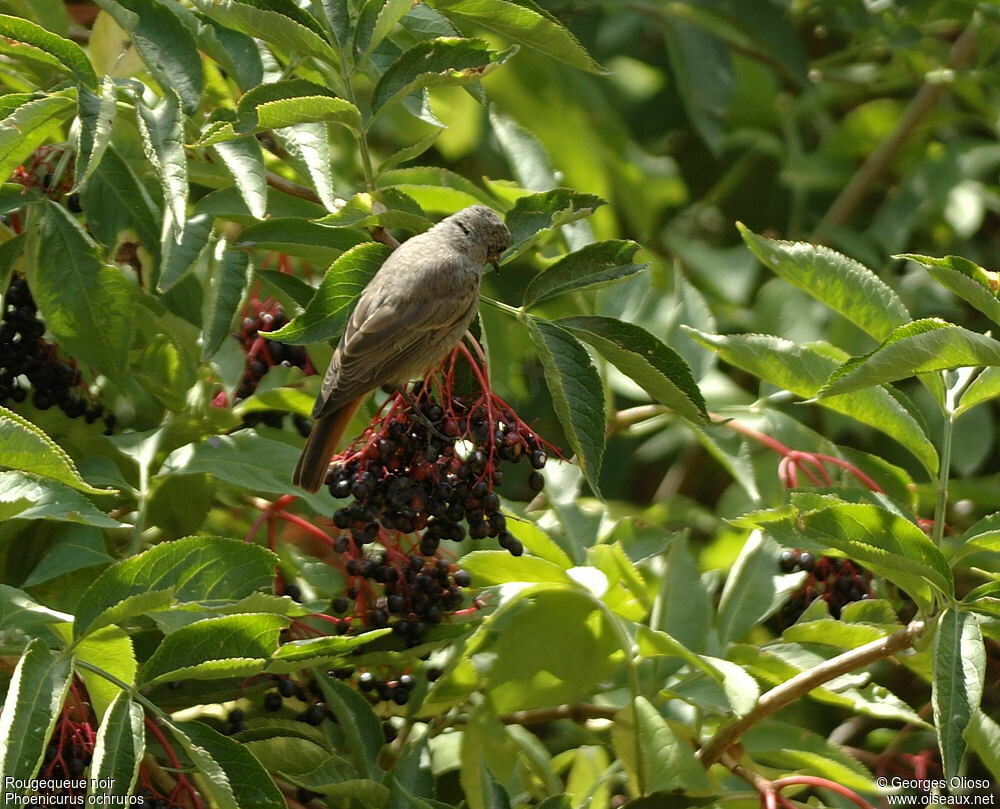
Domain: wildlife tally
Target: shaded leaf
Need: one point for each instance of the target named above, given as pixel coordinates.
(577, 393)
(703, 70)
(656, 367)
(326, 314)
(231, 274)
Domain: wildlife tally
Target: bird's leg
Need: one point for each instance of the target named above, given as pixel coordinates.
(432, 431)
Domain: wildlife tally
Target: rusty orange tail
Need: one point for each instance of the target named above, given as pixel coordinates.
(310, 471)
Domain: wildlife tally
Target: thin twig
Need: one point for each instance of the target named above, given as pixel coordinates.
(804, 682)
(878, 161)
(292, 189)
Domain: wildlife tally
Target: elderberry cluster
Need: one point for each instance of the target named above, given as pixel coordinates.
(408, 594)
(434, 473)
(837, 581)
(27, 361)
(262, 353)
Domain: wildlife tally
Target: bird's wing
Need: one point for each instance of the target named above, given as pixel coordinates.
(385, 337)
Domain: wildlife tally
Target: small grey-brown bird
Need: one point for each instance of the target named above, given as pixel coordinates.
(415, 310)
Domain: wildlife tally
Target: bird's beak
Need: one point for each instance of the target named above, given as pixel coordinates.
(496, 265)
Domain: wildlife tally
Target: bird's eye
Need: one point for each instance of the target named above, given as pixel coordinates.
(461, 224)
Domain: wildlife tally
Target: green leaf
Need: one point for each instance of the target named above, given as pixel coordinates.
(498, 567)
(67, 54)
(594, 266)
(445, 60)
(983, 735)
(85, 303)
(97, 114)
(118, 205)
(194, 569)
(527, 157)
(296, 655)
(387, 207)
(683, 608)
(577, 394)
(29, 126)
(841, 283)
(181, 255)
(923, 345)
(984, 388)
(73, 547)
(888, 544)
(283, 103)
(216, 782)
(535, 215)
(162, 129)
(361, 727)
(121, 744)
(651, 364)
(326, 314)
(522, 22)
(278, 28)
(252, 786)
(215, 648)
(646, 743)
(10, 252)
(34, 698)
(166, 46)
(230, 278)
(111, 650)
(967, 280)
(300, 237)
(789, 747)
(245, 460)
(565, 666)
(705, 78)
(25, 497)
(408, 152)
(957, 685)
(25, 447)
(245, 161)
(803, 369)
(753, 589)
(19, 613)
(376, 21)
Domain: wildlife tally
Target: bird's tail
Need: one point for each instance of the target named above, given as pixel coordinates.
(310, 471)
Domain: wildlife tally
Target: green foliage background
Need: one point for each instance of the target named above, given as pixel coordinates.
(736, 235)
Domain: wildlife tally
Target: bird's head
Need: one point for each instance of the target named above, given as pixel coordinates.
(481, 231)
